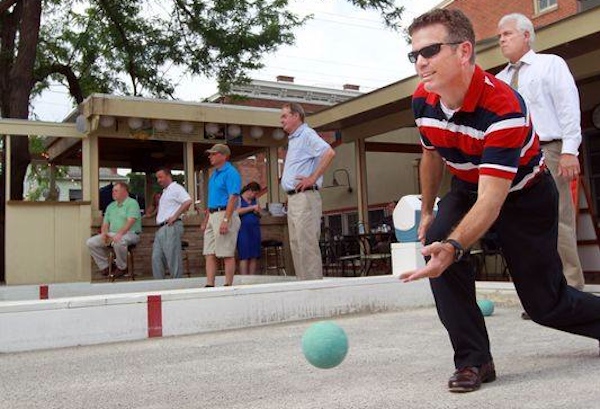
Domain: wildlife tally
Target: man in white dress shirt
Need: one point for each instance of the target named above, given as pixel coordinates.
(174, 202)
(548, 87)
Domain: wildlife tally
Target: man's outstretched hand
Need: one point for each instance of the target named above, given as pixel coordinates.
(442, 257)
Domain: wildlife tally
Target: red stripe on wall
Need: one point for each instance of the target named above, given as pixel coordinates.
(154, 316)
(43, 292)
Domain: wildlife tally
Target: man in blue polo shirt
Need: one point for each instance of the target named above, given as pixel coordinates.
(221, 221)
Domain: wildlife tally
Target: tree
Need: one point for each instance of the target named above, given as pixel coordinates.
(127, 47)
(39, 175)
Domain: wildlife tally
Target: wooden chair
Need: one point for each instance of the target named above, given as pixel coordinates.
(130, 263)
(489, 261)
(185, 257)
(272, 252)
(370, 259)
(348, 255)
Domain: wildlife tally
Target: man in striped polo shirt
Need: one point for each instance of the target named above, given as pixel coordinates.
(479, 128)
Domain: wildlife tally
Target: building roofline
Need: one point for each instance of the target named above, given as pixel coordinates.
(291, 92)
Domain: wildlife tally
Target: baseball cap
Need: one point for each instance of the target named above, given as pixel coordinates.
(220, 148)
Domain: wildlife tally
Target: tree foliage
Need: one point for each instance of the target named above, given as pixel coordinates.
(127, 47)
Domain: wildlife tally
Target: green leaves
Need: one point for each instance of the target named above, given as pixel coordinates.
(133, 47)
(390, 14)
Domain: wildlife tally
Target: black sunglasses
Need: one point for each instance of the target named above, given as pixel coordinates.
(429, 51)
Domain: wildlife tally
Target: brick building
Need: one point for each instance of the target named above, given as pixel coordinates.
(485, 13)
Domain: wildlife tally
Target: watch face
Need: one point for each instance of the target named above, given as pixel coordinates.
(596, 116)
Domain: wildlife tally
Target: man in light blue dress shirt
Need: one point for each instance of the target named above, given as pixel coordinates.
(308, 156)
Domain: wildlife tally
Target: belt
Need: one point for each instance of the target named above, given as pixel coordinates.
(293, 192)
(167, 222)
(216, 209)
(550, 141)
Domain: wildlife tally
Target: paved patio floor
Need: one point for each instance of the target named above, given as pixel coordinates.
(396, 360)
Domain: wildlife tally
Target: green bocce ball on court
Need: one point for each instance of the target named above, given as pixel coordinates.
(486, 307)
(325, 344)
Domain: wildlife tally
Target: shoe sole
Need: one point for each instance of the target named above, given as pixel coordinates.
(117, 275)
(461, 389)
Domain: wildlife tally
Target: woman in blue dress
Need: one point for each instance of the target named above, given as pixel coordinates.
(248, 242)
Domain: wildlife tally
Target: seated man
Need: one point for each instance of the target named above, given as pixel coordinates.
(121, 227)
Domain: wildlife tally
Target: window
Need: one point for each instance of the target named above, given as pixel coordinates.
(543, 5)
(335, 225)
(347, 223)
(75, 195)
(376, 218)
(352, 226)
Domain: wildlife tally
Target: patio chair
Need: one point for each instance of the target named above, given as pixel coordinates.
(379, 261)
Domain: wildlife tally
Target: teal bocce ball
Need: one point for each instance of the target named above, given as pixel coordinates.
(325, 344)
(486, 307)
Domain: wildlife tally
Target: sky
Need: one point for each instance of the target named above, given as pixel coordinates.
(340, 45)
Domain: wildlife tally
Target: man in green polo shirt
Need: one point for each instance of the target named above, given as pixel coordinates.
(121, 227)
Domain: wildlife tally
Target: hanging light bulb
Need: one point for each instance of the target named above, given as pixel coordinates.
(278, 134)
(234, 131)
(135, 123)
(160, 125)
(186, 127)
(211, 129)
(256, 132)
(81, 124)
(106, 121)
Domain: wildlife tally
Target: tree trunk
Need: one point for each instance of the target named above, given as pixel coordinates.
(2, 209)
(20, 90)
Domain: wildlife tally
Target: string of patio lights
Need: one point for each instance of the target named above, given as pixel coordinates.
(139, 125)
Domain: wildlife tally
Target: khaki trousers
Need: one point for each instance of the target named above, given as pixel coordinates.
(304, 224)
(221, 245)
(567, 235)
(99, 251)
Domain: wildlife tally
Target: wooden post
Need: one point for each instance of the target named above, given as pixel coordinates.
(361, 182)
(90, 173)
(148, 192)
(188, 166)
(273, 177)
(52, 188)
(7, 168)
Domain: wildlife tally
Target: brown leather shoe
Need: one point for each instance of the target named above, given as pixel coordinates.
(470, 378)
(119, 273)
(106, 271)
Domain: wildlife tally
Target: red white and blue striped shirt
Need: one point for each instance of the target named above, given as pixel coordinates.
(491, 134)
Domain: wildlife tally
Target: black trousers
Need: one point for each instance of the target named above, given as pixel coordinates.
(527, 230)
